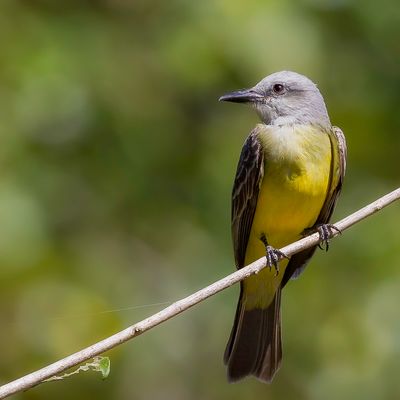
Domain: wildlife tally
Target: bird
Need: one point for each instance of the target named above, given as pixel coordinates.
(288, 179)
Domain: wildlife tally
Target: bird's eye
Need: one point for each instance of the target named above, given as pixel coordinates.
(278, 88)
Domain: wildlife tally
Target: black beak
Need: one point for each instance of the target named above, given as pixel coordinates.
(242, 96)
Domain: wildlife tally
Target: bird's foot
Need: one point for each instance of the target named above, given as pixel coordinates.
(273, 257)
(326, 233)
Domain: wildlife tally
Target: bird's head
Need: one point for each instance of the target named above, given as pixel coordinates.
(284, 98)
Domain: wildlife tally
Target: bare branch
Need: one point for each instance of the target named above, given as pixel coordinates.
(178, 307)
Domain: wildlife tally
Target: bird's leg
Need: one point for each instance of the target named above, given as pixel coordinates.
(273, 255)
(325, 231)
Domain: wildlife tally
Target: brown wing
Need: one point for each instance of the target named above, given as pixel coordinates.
(299, 261)
(338, 170)
(249, 174)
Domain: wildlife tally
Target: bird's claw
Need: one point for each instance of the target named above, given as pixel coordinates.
(273, 256)
(326, 232)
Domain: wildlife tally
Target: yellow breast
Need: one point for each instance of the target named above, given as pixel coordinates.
(292, 193)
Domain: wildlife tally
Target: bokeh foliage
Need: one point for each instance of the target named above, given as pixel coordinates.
(116, 170)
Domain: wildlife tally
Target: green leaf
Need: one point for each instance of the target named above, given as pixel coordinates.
(99, 364)
(104, 366)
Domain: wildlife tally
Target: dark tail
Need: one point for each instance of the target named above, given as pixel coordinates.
(255, 347)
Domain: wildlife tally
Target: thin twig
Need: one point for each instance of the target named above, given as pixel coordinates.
(176, 308)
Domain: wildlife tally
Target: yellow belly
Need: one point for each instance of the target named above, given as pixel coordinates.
(292, 193)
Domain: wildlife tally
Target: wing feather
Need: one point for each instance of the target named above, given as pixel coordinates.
(249, 175)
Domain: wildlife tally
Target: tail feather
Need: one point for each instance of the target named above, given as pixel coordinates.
(254, 346)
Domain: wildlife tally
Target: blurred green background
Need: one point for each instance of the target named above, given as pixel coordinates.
(116, 169)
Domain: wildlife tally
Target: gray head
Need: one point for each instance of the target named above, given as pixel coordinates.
(284, 98)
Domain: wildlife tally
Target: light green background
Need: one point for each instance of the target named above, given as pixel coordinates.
(116, 166)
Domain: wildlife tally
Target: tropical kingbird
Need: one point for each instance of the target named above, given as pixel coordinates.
(288, 179)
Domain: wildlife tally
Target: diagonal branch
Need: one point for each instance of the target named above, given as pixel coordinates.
(179, 306)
